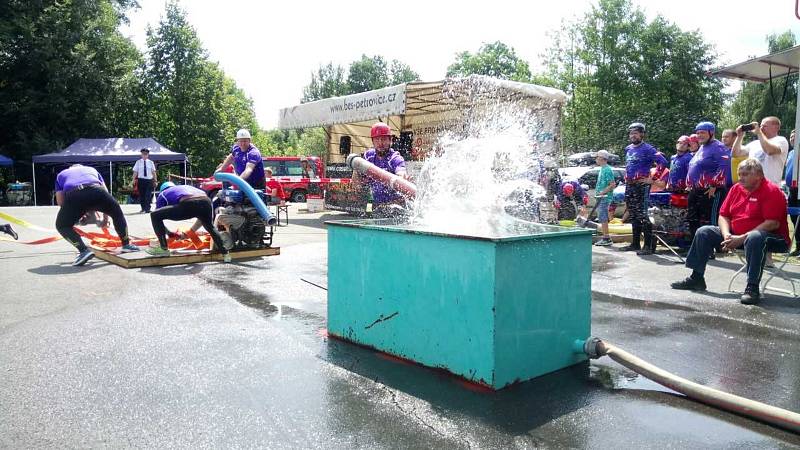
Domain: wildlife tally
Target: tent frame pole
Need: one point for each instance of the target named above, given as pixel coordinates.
(34, 185)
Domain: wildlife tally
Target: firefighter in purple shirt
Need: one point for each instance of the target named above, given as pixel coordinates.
(706, 178)
(639, 157)
(246, 160)
(679, 165)
(386, 201)
(181, 203)
(80, 189)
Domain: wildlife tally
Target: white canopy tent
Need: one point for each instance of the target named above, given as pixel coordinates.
(422, 110)
(762, 70)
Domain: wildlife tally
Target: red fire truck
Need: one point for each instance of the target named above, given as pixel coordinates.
(298, 180)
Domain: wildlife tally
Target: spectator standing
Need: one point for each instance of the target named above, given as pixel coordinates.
(769, 149)
(679, 165)
(144, 170)
(706, 178)
(604, 193)
(639, 158)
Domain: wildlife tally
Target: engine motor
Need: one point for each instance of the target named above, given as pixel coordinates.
(670, 223)
(240, 224)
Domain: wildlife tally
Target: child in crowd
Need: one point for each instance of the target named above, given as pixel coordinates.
(604, 195)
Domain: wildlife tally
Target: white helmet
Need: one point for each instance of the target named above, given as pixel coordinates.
(242, 134)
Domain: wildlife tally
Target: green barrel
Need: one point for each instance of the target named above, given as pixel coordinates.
(494, 310)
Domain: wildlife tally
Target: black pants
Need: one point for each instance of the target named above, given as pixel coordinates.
(145, 193)
(194, 208)
(79, 202)
(637, 196)
(702, 209)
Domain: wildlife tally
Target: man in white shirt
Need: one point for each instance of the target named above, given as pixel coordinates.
(769, 149)
(145, 173)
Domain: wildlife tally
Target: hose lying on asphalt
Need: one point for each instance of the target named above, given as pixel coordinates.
(782, 418)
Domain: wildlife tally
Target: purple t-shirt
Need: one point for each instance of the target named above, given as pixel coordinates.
(393, 161)
(707, 167)
(173, 195)
(678, 169)
(73, 177)
(639, 159)
(241, 158)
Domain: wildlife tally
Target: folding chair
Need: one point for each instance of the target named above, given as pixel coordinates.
(772, 271)
(282, 208)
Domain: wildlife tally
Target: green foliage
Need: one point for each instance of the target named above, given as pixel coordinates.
(618, 68)
(187, 102)
(62, 66)
(327, 82)
(495, 60)
(758, 100)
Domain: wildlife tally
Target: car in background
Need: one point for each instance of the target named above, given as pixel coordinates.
(588, 159)
(289, 172)
(589, 177)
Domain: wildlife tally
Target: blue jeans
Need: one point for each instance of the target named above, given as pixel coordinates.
(756, 246)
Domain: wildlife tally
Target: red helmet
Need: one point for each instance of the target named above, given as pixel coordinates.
(693, 138)
(380, 129)
(568, 189)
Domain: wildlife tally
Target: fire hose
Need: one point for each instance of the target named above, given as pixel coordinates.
(391, 180)
(779, 417)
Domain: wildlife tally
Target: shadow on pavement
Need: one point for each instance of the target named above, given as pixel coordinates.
(66, 268)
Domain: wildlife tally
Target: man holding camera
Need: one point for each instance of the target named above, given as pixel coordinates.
(769, 149)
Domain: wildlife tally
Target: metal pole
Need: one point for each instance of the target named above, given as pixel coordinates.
(796, 150)
(34, 185)
(184, 170)
(110, 179)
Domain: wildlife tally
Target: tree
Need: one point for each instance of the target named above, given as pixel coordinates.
(189, 103)
(754, 101)
(495, 60)
(618, 68)
(327, 82)
(62, 65)
(368, 74)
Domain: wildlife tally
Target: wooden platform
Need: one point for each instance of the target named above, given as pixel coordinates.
(142, 259)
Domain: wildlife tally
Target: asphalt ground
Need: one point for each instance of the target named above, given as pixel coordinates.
(235, 356)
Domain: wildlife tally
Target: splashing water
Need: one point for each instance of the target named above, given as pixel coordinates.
(490, 178)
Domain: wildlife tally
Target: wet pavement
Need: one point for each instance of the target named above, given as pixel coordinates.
(236, 355)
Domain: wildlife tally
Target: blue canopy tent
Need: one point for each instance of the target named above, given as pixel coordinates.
(111, 150)
(6, 161)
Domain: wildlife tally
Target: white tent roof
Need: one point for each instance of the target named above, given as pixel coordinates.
(409, 99)
(761, 69)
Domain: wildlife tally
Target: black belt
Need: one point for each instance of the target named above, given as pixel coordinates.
(82, 186)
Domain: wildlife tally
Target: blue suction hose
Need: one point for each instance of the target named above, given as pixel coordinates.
(772, 415)
(245, 187)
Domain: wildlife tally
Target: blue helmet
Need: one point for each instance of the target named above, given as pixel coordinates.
(165, 185)
(705, 126)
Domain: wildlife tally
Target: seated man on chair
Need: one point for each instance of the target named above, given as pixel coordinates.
(753, 216)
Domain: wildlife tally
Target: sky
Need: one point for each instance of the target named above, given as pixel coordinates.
(271, 48)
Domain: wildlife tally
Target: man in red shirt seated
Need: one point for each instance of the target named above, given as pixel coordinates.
(753, 216)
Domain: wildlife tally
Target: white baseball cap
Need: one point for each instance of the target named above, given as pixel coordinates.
(242, 134)
(604, 154)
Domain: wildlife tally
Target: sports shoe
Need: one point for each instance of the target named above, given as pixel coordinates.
(795, 253)
(645, 251)
(226, 257)
(751, 295)
(85, 255)
(604, 242)
(630, 248)
(157, 251)
(8, 230)
(690, 284)
(129, 248)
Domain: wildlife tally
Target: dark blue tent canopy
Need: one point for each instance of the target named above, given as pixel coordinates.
(6, 161)
(110, 150)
